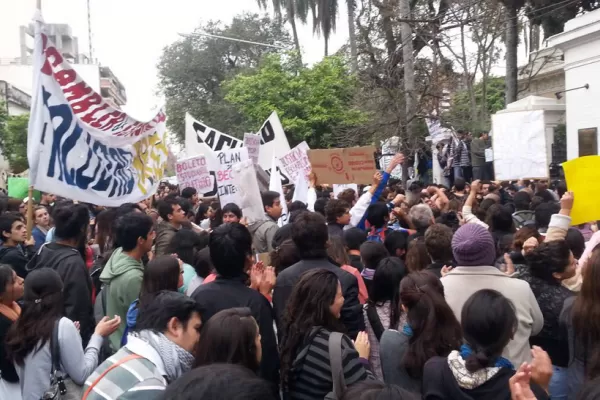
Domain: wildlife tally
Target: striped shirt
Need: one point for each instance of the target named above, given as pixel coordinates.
(136, 379)
(310, 376)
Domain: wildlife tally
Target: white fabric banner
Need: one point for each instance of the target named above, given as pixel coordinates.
(81, 148)
(275, 186)
(519, 145)
(301, 189)
(248, 196)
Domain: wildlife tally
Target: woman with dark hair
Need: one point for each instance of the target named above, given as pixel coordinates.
(383, 310)
(376, 390)
(285, 255)
(431, 330)
(501, 225)
(417, 258)
(11, 290)
(104, 229)
(581, 317)
(215, 215)
(548, 266)
(230, 336)
(311, 317)
(162, 273)
(202, 216)
(478, 371)
(232, 213)
(28, 341)
(338, 255)
(185, 244)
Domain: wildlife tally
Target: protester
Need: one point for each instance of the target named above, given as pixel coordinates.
(382, 310)
(543, 215)
(310, 236)
(523, 216)
(163, 273)
(173, 217)
(396, 244)
(47, 200)
(337, 255)
(123, 274)
(371, 254)
(203, 215)
(185, 245)
(42, 226)
(30, 342)
(157, 353)
(337, 213)
(284, 256)
(550, 264)
(431, 330)
(353, 239)
(230, 336)
(232, 213)
(219, 381)
(203, 267)
(63, 256)
(438, 243)
(11, 290)
(417, 258)
(478, 146)
(191, 194)
(231, 254)
(375, 390)
(580, 317)
(475, 253)
(264, 231)
(312, 316)
(16, 250)
(478, 370)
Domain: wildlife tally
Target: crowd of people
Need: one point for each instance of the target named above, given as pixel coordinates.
(478, 290)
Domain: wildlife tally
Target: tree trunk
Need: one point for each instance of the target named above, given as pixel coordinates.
(409, 71)
(296, 40)
(326, 45)
(512, 42)
(352, 34)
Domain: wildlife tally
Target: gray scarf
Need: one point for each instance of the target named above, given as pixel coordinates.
(177, 361)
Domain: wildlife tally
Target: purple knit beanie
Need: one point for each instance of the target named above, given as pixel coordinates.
(472, 246)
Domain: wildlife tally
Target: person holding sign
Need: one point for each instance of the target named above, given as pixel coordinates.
(478, 146)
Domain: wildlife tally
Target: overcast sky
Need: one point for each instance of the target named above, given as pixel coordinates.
(129, 35)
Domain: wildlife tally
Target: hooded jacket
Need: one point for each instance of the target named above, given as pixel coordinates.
(17, 257)
(77, 292)
(449, 379)
(263, 233)
(123, 277)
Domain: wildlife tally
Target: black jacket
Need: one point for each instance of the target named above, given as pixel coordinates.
(17, 257)
(439, 383)
(7, 368)
(231, 293)
(352, 316)
(335, 230)
(77, 291)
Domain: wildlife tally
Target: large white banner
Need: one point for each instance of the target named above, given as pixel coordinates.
(81, 148)
(202, 139)
(519, 145)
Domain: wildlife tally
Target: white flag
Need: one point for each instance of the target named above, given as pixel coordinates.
(275, 186)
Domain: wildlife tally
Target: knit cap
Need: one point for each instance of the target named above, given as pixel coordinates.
(473, 245)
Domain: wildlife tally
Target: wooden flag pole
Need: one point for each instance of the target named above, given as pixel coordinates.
(30, 211)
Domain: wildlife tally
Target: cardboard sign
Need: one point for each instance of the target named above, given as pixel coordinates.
(193, 172)
(252, 144)
(351, 165)
(296, 162)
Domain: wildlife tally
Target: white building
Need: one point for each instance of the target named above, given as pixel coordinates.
(580, 43)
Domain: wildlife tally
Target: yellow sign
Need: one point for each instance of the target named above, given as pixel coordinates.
(582, 175)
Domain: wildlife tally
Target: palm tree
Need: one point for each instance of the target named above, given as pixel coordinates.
(293, 9)
(324, 19)
(512, 8)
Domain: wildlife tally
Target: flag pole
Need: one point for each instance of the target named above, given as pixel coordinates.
(30, 211)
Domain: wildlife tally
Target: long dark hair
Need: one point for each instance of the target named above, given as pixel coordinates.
(104, 229)
(489, 321)
(229, 337)
(436, 331)
(162, 273)
(6, 278)
(42, 306)
(417, 258)
(186, 243)
(386, 287)
(586, 314)
(308, 307)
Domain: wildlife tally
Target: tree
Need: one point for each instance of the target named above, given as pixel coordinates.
(313, 103)
(13, 139)
(293, 9)
(489, 99)
(552, 15)
(511, 14)
(192, 70)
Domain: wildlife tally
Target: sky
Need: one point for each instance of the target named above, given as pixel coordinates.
(128, 35)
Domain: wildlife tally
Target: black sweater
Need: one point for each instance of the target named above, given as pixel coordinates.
(7, 368)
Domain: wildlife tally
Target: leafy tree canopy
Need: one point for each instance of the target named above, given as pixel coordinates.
(13, 139)
(313, 103)
(192, 70)
(459, 115)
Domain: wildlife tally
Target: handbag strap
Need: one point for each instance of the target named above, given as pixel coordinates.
(55, 348)
(375, 321)
(106, 371)
(335, 362)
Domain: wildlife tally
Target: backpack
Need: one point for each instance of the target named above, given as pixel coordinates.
(377, 235)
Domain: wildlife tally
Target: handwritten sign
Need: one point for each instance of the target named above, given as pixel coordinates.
(252, 144)
(226, 188)
(193, 172)
(296, 161)
(351, 165)
(579, 173)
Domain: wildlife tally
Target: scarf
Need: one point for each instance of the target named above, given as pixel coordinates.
(177, 360)
(11, 312)
(501, 362)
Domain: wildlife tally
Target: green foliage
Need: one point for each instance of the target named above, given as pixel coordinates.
(192, 70)
(552, 16)
(313, 103)
(460, 115)
(13, 139)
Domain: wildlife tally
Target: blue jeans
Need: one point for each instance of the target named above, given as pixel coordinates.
(458, 172)
(559, 388)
